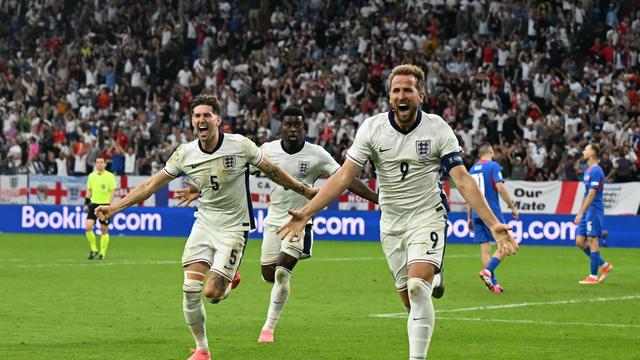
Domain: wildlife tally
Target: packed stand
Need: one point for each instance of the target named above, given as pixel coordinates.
(538, 79)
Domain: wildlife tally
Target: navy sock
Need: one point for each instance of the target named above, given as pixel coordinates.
(587, 251)
(595, 256)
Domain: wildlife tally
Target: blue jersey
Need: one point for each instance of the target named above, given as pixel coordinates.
(486, 175)
(594, 179)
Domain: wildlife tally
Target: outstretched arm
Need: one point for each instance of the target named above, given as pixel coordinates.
(139, 194)
(361, 189)
(283, 179)
(337, 183)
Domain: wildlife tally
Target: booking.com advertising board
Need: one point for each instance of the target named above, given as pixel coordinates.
(328, 225)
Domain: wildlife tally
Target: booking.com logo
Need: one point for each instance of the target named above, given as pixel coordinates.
(74, 218)
(536, 230)
(330, 225)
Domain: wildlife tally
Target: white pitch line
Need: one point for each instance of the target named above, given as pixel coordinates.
(536, 322)
(510, 306)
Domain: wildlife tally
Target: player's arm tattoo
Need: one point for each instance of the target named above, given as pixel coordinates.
(283, 179)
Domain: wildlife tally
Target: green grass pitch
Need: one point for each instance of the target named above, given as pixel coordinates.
(55, 304)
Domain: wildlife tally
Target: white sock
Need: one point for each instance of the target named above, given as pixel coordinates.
(279, 296)
(194, 313)
(436, 281)
(421, 318)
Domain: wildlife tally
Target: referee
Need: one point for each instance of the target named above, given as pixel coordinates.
(101, 185)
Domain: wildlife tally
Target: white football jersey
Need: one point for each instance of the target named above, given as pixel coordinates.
(306, 165)
(222, 176)
(408, 167)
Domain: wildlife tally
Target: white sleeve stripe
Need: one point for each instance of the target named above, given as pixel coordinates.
(595, 183)
(168, 173)
(355, 161)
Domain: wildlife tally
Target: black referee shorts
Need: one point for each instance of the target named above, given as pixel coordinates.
(91, 215)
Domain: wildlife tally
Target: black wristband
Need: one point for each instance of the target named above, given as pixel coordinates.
(87, 201)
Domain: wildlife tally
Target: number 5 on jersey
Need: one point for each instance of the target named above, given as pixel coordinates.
(215, 185)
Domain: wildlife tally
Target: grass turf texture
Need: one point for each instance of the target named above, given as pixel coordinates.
(55, 304)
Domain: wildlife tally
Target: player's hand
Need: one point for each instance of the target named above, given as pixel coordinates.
(515, 213)
(294, 227)
(104, 212)
(470, 224)
(309, 193)
(577, 219)
(187, 196)
(506, 243)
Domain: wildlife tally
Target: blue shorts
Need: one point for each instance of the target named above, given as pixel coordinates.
(591, 225)
(481, 233)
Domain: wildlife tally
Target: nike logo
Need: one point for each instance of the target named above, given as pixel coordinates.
(228, 268)
(195, 166)
(383, 150)
(422, 318)
(278, 303)
(432, 252)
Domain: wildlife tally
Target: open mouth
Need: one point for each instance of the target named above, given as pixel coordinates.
(203, 130)
(403, 108)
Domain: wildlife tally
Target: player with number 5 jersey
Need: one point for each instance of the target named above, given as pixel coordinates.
(218, 164)
(408, 148)
(590, 218)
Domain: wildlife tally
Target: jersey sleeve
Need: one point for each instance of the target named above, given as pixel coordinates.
(448, 146)
(173, 167)
(265, 152)
(596, 179)
(360, 150)
(90, 182)
(496, 174)
(252, 152)
(328, 164)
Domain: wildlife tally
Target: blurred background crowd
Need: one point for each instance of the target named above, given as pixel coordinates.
(113, 78)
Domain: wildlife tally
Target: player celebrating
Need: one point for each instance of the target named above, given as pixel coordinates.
(101, 186)
(218, 164)
(305, 162)
(408, 147)
(487, 174)
(591, 225)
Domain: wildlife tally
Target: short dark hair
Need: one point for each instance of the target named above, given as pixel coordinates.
(596, 148)
(205, 99)
(291, 111)
(484, 148)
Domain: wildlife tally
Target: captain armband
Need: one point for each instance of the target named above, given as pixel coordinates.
(452, 160)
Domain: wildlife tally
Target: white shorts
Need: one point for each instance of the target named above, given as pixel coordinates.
(300, 247)
(222, 250)
(421, 244)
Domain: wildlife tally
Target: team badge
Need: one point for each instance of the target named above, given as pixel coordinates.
(103, 186)
(229, 162)
(303, 167)
(423, 147)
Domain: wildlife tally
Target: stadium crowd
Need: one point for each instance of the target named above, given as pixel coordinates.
(538, 79)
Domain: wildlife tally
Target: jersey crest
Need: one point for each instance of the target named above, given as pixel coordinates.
(303, 167)
(229, 162)
(423, 148)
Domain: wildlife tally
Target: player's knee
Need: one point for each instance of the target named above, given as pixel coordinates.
(282, 274)
(418, 288)
(214, 295)
(192, 290)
